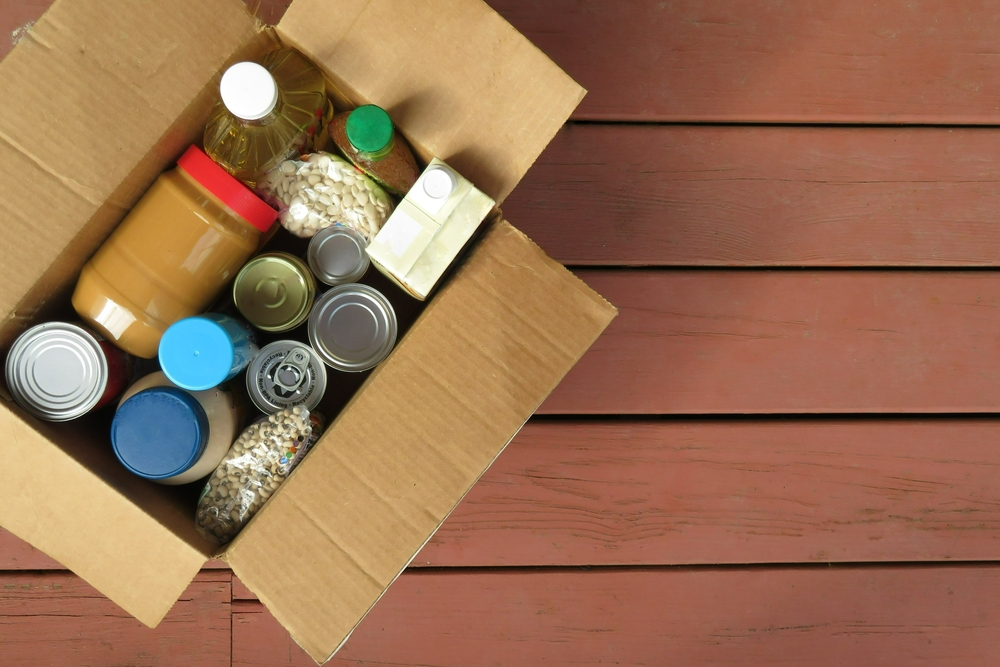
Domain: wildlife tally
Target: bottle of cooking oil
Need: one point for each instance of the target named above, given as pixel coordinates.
(267, 113)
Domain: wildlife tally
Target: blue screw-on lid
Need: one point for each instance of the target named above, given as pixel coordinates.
(196, 354)
(159, 432)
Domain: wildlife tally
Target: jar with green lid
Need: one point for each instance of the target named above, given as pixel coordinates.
(367, 137)
(274, 291)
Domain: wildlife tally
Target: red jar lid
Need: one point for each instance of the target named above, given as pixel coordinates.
(230, 191)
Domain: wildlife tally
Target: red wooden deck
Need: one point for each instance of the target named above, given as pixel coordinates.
(785, 449)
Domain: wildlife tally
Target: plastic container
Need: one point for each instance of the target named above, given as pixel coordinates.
(267, 113)
(352, 327)
(256, 465)
(204, 351)
(337, 256)
(172, 255)
(286, 373)
(172, 436)
(59, 371)
(367, 137)
(274, 292)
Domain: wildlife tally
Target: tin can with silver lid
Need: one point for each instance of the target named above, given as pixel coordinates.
(337, 255)
(59, 371)
(284, 374)
(352, 327)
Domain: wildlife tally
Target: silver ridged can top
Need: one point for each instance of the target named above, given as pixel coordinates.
(284, 374)
(57, 371)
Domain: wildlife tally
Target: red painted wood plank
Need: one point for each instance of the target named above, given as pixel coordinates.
(704, 342)
(764, 196)
(943, 616)
(55, 618)
(664, 492)
(768, 60)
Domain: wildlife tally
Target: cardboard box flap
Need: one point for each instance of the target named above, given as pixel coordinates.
(466, 86)
(59, 505)
(485, 353)
(91, 99)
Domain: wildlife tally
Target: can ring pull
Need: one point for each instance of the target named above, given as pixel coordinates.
(292, 370)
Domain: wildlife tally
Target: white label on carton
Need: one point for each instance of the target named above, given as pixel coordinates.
(400, 232)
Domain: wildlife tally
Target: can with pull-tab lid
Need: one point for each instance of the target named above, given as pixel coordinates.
(284, 374)
(59, 371)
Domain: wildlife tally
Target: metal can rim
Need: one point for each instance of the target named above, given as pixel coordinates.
(256, 366)
(310, 285)
(312, 258)
(374, 296)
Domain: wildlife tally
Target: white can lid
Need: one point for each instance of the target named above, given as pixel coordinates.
(248, 91)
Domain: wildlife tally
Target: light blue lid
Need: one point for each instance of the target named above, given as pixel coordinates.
(197, 354)
(160, 432)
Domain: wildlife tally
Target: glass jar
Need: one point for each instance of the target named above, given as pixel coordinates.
(172, 254)
(367, 137)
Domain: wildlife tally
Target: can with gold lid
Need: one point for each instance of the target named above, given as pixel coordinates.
(274, 291)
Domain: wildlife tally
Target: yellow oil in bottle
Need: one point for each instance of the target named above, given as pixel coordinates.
(268, 113)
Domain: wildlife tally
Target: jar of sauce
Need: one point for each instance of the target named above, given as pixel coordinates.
(172, 436)
(172, 254)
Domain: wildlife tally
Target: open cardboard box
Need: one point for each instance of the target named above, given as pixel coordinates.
(103, 96)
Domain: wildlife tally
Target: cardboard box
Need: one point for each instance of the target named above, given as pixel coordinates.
(103, 96)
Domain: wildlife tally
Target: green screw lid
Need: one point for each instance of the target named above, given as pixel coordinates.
(275, 291)
(369, 128)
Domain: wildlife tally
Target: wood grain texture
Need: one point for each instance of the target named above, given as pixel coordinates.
(764, 196)
(712, 342)
(54, 618)
(773, 61)
(666, 492)
(816, 616)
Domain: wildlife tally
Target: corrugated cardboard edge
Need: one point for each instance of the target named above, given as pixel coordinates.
(134, 560)
(249, 547)
(465, 86)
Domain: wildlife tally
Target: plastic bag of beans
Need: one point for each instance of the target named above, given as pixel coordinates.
(256, 465)
(321, 190)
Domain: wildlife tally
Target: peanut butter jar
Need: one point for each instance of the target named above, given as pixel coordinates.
(172, 254)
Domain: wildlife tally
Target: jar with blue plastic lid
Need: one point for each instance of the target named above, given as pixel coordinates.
(172, 436)
(198, 353)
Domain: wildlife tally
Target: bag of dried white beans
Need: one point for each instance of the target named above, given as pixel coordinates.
(321, 190)
(256, 465)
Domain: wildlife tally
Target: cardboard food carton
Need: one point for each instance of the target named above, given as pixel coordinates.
(103, 96)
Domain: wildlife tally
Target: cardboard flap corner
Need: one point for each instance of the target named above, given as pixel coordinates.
(462, 82)
(92, 99)
(60, 506)
(485, 353)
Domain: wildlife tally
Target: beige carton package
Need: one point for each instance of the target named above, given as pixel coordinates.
(103, 96)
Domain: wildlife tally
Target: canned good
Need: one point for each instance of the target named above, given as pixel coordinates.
(337, 255)
(352, 327)
(198, 353)
(286, 373)
(274, 291)
(59, 371)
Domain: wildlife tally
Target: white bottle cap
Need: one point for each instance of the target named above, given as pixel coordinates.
(438, 183)
(248, 91)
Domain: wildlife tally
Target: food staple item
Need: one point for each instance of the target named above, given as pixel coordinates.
(59, 371)
(256, 465)
(274, 291)
(353, 327)
(204, 351)
(266, 113)
(367, 137)
(323, 190)
(286, 373)
(171, 255)
(337, 256)
(428, 229)
(172, 436)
